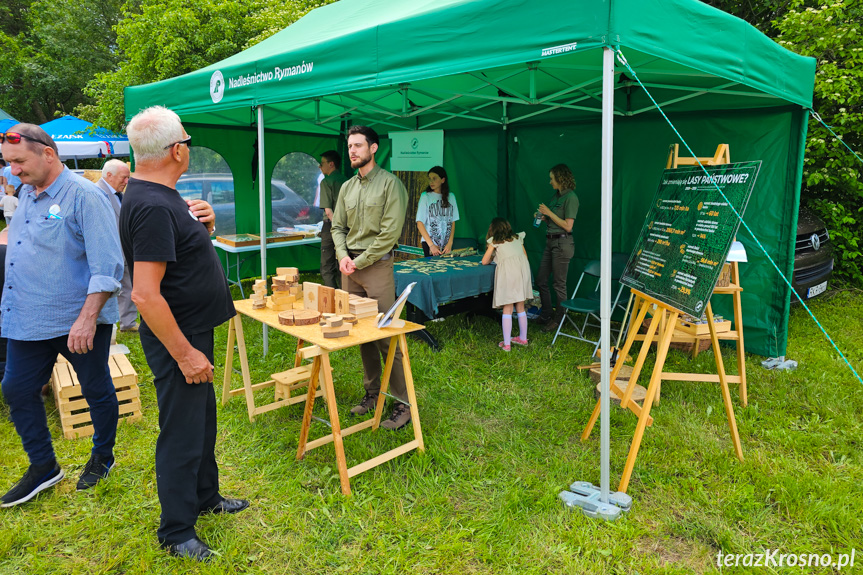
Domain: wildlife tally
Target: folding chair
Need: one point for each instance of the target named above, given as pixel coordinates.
(588, 304)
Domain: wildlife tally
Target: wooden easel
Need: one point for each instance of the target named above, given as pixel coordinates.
(666, 315)
(722, 156)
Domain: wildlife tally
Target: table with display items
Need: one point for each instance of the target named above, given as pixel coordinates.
(312, 345)
(232, 269)
(445, 286)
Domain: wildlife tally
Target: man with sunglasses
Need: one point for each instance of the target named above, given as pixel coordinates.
(182, 295)
(63, 265)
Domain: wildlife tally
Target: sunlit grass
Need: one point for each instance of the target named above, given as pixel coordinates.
(502, 439)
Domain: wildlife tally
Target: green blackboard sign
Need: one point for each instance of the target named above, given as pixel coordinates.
(687, 234)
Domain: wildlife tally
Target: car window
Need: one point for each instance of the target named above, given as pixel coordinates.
(222, 192)
(190, 189)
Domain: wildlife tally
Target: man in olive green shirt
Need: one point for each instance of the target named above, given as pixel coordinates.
(330, 165)
(368, 220)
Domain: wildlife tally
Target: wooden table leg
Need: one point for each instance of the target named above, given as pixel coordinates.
(330, 394)
(385, 381)
(244, 367)
(229, 361)
(310, 404)
(412, 396)
(738, 325)
(661, 354)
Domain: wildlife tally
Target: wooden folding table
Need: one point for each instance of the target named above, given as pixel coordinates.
(311, 344)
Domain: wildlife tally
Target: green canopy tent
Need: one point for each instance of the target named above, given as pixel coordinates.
(519, 86)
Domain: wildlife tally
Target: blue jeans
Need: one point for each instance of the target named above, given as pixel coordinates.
(28, 368)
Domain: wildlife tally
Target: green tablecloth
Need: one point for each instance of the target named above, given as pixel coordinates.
(441, 280)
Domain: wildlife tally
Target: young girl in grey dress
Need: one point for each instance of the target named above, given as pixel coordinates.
(511, 277)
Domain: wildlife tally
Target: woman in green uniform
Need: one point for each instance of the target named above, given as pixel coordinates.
(559, 247)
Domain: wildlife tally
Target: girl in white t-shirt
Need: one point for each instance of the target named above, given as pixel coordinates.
(437, 214)
(9, 203)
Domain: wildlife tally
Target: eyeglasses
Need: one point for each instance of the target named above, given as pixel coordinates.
(187, 141)
(15, 138)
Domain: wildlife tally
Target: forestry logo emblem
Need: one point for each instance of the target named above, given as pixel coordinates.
(217, 86)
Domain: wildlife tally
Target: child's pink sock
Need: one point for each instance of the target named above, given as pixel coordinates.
(507, 328)
(522, 325)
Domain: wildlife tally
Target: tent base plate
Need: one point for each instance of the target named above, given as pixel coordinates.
(586, 496)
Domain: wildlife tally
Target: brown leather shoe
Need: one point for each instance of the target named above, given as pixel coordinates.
(366, 405)
(400, 417)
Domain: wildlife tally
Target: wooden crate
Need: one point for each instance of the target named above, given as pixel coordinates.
(702, 328)
(73, 408)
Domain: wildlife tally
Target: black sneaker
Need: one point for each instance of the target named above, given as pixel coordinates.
(37, 478)
(366, 405)
(96, 468)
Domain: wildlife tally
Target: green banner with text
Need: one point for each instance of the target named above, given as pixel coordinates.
(687, 234)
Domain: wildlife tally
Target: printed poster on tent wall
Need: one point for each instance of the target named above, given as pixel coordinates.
(687, 234)
(416, 151)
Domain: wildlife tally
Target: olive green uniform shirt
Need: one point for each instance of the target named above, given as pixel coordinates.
(330, 187)
(564, 207)
(369, 215)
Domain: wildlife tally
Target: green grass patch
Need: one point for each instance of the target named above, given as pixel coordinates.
(502, 439)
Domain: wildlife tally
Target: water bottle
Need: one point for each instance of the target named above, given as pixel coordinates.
(537, 219)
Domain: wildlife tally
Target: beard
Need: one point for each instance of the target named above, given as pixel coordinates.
(360, 162)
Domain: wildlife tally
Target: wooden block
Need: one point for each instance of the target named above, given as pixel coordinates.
(335, 334)
(279, 280)
(340, 301)
(288, 271)
(260, 284)
(350, 318)
(262, 304)
(325, 299)
(332, 322)
(283, 297)
(299, 317)
(310, 295)
(295, 290)
(366, 314)
(280, 306)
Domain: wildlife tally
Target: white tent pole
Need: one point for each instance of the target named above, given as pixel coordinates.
(262, 194)
(605, 266)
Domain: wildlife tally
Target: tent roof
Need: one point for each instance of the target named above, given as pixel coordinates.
(4, 115)
(457, 63)
(76, 138)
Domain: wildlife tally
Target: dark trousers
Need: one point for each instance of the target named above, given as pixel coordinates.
(555, 261)
(28, 368)
(377, 282)
(329, 266)
(187, 476)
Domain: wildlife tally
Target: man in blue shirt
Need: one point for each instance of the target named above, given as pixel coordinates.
(63, 265)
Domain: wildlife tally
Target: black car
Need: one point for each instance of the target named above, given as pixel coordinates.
(813, 256)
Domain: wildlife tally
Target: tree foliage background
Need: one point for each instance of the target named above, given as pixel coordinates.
(65, 56)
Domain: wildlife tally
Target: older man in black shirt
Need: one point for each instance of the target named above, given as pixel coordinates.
(181, 292)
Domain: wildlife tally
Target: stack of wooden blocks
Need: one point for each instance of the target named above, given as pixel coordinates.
(333, 326)
(259, 294)
(74, 411)
(362, 306)
(286, 289)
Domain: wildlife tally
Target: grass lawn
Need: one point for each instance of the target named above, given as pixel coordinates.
(502, 439)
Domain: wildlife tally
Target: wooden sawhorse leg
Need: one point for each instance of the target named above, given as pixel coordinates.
(322, 363)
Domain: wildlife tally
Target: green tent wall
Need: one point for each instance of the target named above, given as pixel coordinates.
(516, 86)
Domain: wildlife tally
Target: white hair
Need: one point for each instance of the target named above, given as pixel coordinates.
(111, 167)
(151, 131)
